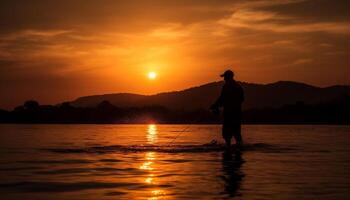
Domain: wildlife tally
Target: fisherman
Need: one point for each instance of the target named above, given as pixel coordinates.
(231, 99)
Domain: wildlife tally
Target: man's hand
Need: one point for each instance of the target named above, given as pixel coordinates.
(215, 109)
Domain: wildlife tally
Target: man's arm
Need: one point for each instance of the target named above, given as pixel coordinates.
(242, 94)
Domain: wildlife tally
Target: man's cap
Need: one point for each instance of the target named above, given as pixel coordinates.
(228, 73)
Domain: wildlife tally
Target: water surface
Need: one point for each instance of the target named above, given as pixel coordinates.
(172, 162)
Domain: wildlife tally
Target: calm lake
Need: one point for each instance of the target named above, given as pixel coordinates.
(172, 162)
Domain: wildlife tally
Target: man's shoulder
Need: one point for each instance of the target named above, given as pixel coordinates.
(233, 84)
(237, 84)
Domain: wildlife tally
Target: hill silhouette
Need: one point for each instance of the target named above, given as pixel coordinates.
(273, 95)
(282, 102)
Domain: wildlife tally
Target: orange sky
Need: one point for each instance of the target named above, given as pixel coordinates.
(54, 51)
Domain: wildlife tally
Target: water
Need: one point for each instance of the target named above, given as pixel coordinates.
(139, 162)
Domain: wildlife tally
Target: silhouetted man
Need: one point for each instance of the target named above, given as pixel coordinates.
(231, 99)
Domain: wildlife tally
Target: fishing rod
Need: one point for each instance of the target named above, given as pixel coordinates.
(184, 130)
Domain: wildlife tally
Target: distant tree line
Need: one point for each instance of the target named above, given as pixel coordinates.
(335, 112)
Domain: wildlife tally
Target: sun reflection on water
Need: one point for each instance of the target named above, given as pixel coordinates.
(152, 134)
(150, 156)
(146, 166)
(157, 194)
(149, 179)
(150, 165)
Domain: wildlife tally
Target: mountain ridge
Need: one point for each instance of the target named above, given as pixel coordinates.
(200, 97)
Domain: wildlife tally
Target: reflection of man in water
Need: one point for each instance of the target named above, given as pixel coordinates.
(231, 99)
(232, 174)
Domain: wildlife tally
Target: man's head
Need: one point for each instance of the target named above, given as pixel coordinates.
(228, 75)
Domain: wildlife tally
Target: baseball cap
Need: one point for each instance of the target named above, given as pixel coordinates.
(228, 73)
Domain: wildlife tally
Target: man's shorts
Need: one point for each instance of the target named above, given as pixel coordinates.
(231, 129)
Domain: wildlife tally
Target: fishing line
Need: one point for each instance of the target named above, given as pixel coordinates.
(185, 129)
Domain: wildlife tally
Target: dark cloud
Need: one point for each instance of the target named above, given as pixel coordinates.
(122, 15)
(314, 10)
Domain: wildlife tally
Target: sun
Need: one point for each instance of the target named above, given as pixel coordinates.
(152, 75)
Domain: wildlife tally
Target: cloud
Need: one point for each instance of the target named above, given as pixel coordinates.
(302, 61)
(313, 10)
(98, 45)
(269, 21)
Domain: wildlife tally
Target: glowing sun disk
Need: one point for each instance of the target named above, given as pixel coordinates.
(152, 75)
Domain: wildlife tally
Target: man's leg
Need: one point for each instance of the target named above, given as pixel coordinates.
(237, 135)
(228, 142)
(227, 135)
